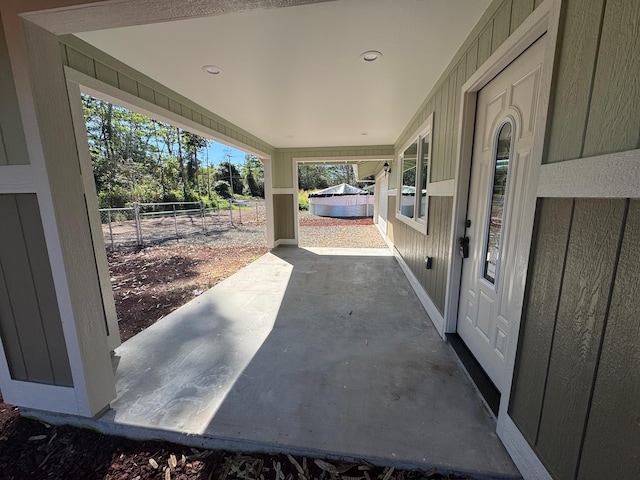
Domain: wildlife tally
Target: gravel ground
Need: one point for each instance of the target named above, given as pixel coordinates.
(314, 232)
(338, 232)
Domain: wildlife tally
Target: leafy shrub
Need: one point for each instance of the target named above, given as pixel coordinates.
(222, 188)
(303, 199)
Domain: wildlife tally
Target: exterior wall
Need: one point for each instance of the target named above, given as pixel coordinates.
(13, 149)
(577, 380)
(499, 21)
(42, 179)
(30, 321)
(284, 216)
(414, 246)
(596, 103)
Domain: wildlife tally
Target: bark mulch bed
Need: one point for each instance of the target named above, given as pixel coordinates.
(32, 450)
(148, 284)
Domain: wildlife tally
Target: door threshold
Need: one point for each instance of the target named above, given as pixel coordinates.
(483, 383)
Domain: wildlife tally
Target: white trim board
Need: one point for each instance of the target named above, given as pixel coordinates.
(615, 175)
(344, 158)
(530, 466)
(445, 188)
(434, 314)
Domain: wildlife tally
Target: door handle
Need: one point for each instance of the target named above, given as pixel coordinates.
(463, 246)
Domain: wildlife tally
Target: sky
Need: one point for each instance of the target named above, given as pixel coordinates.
(217, 151)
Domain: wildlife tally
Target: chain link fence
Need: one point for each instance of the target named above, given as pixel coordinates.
(155, 222)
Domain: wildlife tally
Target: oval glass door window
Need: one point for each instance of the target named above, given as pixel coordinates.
(498, 192)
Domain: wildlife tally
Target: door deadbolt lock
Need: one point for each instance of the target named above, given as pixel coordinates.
(463, 245)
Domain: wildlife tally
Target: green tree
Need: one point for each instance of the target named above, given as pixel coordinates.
(253, 175)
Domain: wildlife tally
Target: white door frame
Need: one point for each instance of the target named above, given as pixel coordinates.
(544, 20)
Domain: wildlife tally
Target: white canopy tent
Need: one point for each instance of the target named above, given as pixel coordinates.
(341, 201)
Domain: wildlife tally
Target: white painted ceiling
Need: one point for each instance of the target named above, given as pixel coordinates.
(293, 76)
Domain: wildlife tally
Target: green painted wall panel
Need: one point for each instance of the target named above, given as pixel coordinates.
(13, 148)
(520, 10)
(550, 240)
(612, 441)
(501, 25)
(43, 284)
(284, 228)
(81, 62)
(128, 84)
(578, 41)
(614, 113)
(472, 60)
(146, 93)
(589, 270)
(106, 74)
(30, 323)
(484, 43)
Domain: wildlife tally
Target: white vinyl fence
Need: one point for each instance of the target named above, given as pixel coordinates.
(154, 222)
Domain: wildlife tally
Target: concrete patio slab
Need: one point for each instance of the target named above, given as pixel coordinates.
(324, 352)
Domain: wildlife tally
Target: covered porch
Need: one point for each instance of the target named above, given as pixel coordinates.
(324, 352)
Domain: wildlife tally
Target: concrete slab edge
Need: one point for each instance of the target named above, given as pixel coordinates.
(134, 432)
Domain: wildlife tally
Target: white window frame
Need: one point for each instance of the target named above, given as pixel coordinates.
(420, 224)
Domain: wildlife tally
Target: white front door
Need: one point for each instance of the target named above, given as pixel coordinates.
(382, 202)
(503, 141)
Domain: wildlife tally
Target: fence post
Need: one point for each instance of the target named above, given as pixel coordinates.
(136, 211)
(231, 210)
(202, 215)
(257, 212)
(175, 221)
(240, 213)
(110, 228)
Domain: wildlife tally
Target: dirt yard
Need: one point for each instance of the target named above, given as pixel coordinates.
(148, 284)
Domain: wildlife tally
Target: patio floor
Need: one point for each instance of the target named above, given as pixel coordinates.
(322, 352)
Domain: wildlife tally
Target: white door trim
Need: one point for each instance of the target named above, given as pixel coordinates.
(544, 20)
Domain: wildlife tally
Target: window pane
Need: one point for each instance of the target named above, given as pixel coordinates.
(424, 176)
(498, 198)
(408, 196)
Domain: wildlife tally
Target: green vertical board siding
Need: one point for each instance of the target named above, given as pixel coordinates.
(520, 10)
(81, 62)
(472, 60)
(614, 114)
(551, 235)
(578, 41)
(106, 74)
(589, 269)
(451, 128)
(440, 121)
(484, 43)
(35, 349)
(283, 217)
(43, 283)
(501, 25)
(13, 147)
(414, 246)
(612, 441)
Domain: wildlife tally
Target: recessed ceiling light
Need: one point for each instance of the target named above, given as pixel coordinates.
(364, 133)
(212, 69)
(371, 55)
(291, 136)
